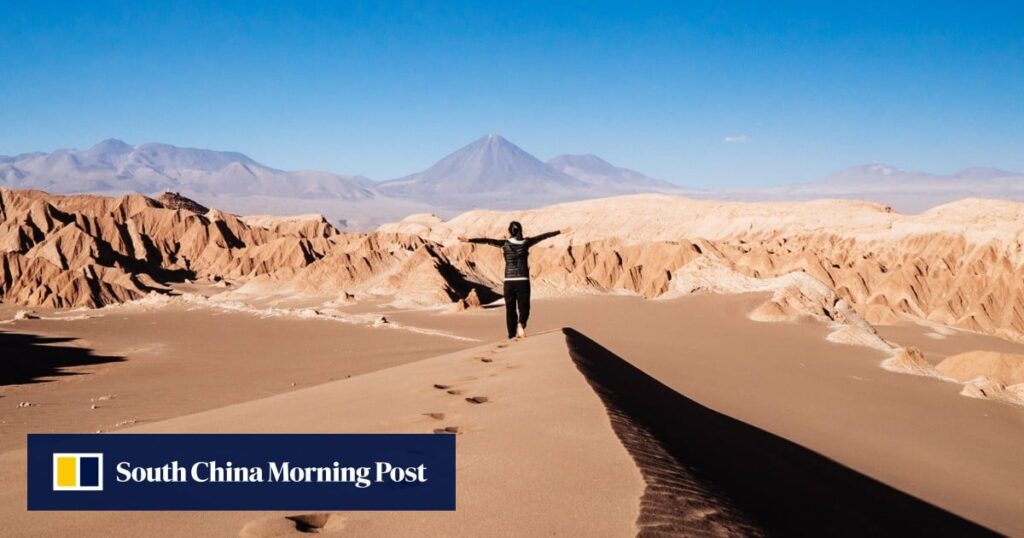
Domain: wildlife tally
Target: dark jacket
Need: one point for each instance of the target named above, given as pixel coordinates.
(516, 252)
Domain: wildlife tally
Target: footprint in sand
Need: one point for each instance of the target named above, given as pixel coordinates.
(281, 526)
(435, 416)
(477, 399)
(315, 522)
(483, 359)
(449, 429)
(441, 386)
(455, 392)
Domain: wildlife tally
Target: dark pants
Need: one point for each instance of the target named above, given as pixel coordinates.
(517, 293)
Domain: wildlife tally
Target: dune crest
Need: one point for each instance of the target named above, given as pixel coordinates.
(987, 374)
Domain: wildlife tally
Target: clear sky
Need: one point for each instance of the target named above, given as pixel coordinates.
(715, 94)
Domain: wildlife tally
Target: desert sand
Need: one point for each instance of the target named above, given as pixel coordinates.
(146, 364)
(707, 367)
(830, 398)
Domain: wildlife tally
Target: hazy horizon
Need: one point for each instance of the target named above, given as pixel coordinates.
(541, 157)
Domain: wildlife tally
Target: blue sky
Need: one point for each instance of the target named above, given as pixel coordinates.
(800, 90)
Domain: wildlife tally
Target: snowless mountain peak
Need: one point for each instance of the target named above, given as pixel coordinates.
(490, 166)
(494, 172)
(495, 142)
(111, 145)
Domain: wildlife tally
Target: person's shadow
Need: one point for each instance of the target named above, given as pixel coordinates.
(27, 358)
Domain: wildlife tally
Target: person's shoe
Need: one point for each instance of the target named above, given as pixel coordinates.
(520, 331)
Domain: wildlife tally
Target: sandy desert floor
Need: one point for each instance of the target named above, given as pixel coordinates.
(141, 365)
(728, 437)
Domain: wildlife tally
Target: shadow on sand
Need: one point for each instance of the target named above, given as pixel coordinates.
(28, 358)
(707, 473)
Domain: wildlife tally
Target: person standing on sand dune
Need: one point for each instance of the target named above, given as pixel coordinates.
(517, 273)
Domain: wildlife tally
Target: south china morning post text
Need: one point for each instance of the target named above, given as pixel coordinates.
(241, 472)
(213, 471)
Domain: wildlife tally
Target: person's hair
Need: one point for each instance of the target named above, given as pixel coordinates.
(515, 229)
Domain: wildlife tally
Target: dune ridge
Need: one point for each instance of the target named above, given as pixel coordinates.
(530, 389)
(582, 408)
(718, 476)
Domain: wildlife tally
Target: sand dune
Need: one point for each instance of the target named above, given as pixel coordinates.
(726, 474)
(562, 417)
(1002, 368)
(105, 369)
(987, 374)
(543, 430)
(529, 437)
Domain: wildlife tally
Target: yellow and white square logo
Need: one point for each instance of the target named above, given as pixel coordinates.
(78, 472)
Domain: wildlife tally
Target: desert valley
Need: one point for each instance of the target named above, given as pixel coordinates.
(511, 269)
(697, 353)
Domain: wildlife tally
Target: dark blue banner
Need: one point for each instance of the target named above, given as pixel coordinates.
(241, 472)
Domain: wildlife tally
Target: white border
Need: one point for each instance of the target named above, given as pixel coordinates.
(78, 471)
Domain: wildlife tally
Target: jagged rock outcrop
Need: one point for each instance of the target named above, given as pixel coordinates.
(846, 264)
(960, 265)
(67, 251)
(469, 301)
(910, 360)
(174, 200)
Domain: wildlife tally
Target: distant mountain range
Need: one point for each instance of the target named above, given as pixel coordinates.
(114, 166)
(490, 172)
(905, 191)
(884, 178)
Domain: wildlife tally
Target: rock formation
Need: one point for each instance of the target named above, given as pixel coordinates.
(847, 264)
(958, 265)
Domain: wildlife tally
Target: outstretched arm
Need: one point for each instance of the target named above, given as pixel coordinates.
(538, 238)
(482, 241)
